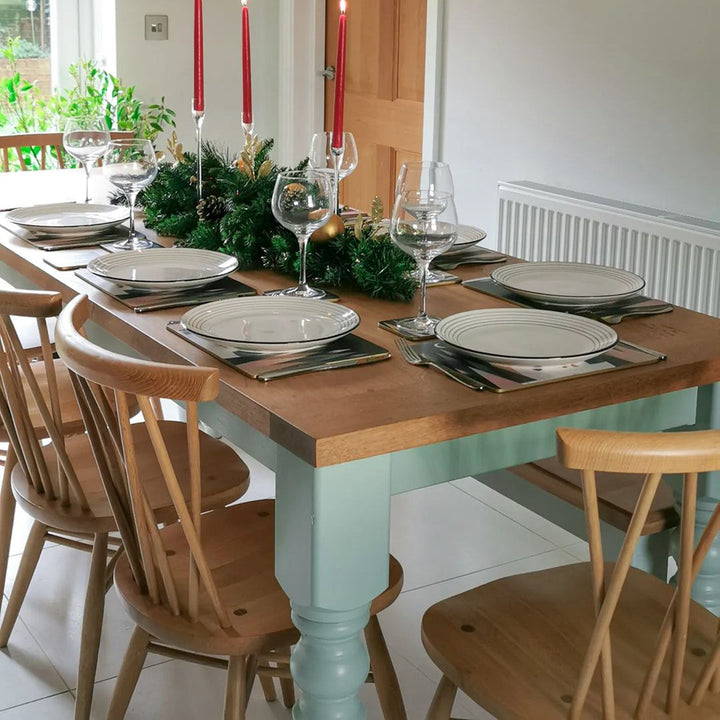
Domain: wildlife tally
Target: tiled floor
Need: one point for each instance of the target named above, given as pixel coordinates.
(449, 537)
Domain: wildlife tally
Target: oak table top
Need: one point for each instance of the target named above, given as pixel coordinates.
(332, 417)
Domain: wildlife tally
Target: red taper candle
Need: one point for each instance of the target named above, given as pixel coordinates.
(199, 87)
(337, 133)
(247, 116)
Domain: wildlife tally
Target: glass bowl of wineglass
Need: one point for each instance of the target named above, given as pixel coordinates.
(430, 175)
(86, 138)
(323, 157)
(130, 165)
(302, 202)
(423, 225)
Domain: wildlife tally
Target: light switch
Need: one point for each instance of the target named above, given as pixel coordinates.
(156, 27)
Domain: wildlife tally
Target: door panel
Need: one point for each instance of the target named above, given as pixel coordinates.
(383, 91)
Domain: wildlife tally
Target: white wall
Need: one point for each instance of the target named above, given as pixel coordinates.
(618, 98)
(159, 68)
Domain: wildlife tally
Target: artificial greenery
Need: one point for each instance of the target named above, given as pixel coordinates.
(235, 217)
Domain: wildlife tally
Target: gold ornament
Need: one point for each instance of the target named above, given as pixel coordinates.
(335, 226)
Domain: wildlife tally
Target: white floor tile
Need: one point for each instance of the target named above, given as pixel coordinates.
(57, 707)
(183, 691)
(26, 673)
(53, 612)
(437, 534)
(532, 521)
(580, 550)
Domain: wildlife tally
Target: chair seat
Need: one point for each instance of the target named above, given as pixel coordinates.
(239, 544)
(510, 644)
(225, 477)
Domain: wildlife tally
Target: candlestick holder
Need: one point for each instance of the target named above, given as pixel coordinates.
(248, 130)
(199, 118)
(337, 161)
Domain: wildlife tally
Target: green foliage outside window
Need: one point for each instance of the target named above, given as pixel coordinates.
(95, 92)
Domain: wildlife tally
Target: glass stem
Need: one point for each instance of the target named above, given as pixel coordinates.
(131, 199)
(302, 243)
(87, 182)
(422, 311)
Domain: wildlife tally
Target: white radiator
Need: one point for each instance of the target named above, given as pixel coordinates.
(678, 256)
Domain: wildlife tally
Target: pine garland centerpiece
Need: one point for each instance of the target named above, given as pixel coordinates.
(235, 217)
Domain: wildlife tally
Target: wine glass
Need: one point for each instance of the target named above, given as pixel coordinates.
(423, 224)
(430, 174)
(86, 138)
(130, 165)
(302, 202)
(323, 157)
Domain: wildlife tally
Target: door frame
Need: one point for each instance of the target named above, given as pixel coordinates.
(302, 47)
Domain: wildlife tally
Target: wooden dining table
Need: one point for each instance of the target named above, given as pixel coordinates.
(343, 442)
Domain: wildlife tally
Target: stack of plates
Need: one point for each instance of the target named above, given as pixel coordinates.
(271, 323)
(68, 219)
(570, 285)
(158, 269)
(516, 336)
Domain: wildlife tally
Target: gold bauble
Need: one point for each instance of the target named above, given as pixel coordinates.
(333, 227)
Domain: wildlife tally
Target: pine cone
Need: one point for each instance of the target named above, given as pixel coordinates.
(211, 208)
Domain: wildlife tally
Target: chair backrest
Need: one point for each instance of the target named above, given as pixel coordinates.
(29, 390)
(652, 455)
(95, 369)
(41, 145)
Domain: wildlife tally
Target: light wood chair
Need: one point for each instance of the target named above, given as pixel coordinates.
(45, 142)
(203, 586)
(592, 640)
(58, 484)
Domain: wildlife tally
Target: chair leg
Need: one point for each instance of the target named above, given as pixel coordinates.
(442, 702)
(91, 628)
(383, 671)
(235, 690)
(287, 687)
(129, 673)
(28, 563)
(7, 518)
(268, 686)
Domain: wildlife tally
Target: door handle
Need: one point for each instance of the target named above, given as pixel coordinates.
(328, 72)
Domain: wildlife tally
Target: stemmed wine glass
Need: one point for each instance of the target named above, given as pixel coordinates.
(131, 165)
(322, 157)
(423, 224)
(302, 202)
(86, 138)
(430, 174)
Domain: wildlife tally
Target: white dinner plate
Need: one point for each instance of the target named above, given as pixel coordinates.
(271, 323)
(568, 284)
(163, 268)
(517, 336)
(76, 219)
(468, 235)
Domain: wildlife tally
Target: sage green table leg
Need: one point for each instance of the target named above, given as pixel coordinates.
(332, 544)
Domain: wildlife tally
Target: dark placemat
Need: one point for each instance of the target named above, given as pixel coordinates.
(501, 378)
(72, 259)
(348, 351)
(141, 301)
(610, 314)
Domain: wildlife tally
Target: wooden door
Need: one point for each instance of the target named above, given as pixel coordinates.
(384, 85)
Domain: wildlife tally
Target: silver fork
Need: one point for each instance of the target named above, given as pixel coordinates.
(413, 358)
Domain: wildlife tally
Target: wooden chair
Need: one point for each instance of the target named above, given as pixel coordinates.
(44, 142)
(203, 586)
(592, 640)
(58, 484)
